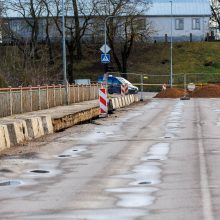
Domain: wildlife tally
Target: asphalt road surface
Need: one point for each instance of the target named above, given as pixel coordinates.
(154, 161)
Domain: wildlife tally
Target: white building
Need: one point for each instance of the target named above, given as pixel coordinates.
(190, 21)
(189, 17)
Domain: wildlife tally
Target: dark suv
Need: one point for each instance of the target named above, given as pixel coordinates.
(115, 82)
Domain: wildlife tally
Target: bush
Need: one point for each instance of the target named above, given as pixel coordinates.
(209, 62)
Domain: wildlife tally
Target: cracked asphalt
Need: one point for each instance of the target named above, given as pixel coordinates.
(154, 160)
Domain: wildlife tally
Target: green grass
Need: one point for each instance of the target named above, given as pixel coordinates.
(197, 57)
(150, 59)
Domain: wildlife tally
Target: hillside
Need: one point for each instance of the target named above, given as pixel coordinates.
(196, 57)
(154, 59)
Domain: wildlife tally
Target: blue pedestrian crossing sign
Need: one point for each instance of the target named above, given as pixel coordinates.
(105, 58)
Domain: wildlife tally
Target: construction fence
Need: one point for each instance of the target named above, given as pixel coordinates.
(27, 99)
(153, 83)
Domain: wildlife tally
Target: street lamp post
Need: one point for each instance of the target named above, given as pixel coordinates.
(64, 54)
(171, 44)
(105, 45)
(105, 30)
(105, 36)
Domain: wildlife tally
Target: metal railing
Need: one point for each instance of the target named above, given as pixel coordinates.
(27, 99)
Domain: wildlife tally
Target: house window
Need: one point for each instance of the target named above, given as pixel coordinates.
(196, 23)
(179, 24)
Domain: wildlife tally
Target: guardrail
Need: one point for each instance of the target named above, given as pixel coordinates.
(27, 99)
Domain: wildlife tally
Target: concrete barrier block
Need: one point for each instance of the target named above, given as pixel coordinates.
(34, 127)
(47, 124)
(17, 131)
(4, 137)
(129, 99)
(113, 103)
(123, 101)
(132, 98)
(117, 103)
(136, 98)
(120, 102)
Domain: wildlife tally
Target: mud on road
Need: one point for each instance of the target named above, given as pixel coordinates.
(31, 149)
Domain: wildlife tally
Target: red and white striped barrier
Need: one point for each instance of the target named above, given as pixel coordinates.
(164, 87)
(124, 89)
(103, 101)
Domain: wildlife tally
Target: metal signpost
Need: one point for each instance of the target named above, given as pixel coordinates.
(64, 54)
(171, 45)
(105, 58)
(105, 48)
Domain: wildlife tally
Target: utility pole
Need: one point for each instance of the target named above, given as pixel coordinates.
(171, 45)
(64, 54)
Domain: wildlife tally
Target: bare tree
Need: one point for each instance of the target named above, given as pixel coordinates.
(31, 12)
(215, 7)
(49, 22)
(127, 25)
(78, 15)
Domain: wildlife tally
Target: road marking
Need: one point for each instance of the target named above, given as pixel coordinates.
(206, 197)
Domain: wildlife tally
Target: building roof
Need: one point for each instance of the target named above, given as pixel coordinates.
(180, 8)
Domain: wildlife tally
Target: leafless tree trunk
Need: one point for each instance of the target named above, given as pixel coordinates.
(127, 25)
(215, 7)
(48, 39)
(75, 29)
(31, 11)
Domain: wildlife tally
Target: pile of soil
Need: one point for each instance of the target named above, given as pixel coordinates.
(170, 93)
(209, 91)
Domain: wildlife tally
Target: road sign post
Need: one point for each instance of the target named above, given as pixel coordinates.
(105, 58)
(105, 48)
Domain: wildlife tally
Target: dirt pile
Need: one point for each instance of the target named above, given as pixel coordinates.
(170, 93)
(209, 91)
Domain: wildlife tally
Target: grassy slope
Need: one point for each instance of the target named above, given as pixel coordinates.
(196, 57)
(187, 58)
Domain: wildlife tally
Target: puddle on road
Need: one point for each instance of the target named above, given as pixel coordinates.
(73, 152)
(173, 125)
(97, 214)
(64, 156)
(174, 121)
(134, 200)
(10, 183)
(154, 158)
(6, 171)
(160, 149)
(167, 137)
(215, 151)
(145, 176)
(40, 171)
(133, 190)
(145, 183)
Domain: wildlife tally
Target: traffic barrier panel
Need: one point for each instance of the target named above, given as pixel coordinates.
(103, 101)
(124, 89)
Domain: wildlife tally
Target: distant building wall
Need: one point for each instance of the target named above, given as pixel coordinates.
(162, 27)
(197, 26)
